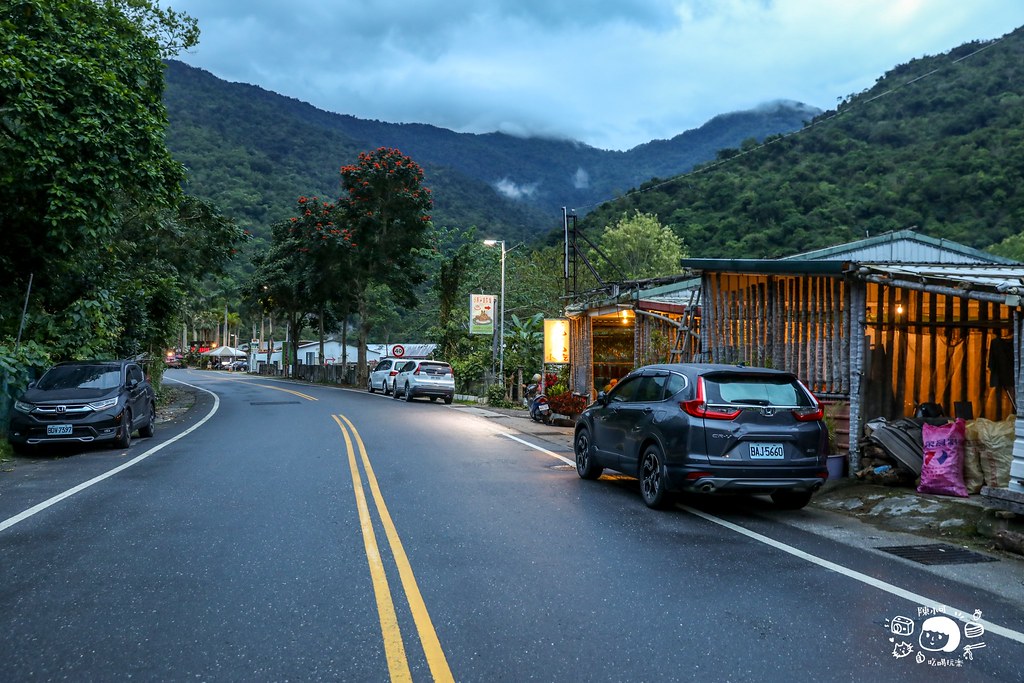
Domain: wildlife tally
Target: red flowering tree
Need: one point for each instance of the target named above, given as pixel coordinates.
(386, 209)
(304, 270)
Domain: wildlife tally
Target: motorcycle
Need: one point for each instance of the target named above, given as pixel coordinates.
(540, 411)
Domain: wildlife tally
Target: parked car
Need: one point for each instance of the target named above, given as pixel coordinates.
(240, 365)
(709, 429)
(175, 361)
(84, 401)
(382, 377)
(431, 378)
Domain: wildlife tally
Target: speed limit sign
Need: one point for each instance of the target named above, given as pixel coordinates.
(397, 350)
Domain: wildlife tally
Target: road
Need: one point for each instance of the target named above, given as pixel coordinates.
(293, 532)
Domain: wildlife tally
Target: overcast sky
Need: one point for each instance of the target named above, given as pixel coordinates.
(610, 73)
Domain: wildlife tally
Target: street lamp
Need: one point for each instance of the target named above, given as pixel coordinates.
(501, 333)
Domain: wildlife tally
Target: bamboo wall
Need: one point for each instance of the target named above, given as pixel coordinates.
(797, 324)
(924, 347)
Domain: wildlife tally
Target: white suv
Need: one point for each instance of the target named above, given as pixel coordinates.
(383, 375)
(431, 378)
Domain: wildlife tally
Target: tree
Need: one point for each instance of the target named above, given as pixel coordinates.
(301, 273)
(82, 153)
(386, 211)
(642, 247)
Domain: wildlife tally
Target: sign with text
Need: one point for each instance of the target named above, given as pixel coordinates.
(481, 313)
(556, 340)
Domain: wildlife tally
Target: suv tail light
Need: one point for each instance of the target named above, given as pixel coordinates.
(809, 414)
(698, 407)
(392, 373)
(416, 371)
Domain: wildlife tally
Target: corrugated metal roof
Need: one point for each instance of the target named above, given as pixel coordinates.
(902, 246)
(1002, 279)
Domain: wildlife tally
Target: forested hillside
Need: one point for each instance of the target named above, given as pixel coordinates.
(937, 143)
(253, 152)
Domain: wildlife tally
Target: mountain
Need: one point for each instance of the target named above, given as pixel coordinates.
(936, 144)
(253, 152)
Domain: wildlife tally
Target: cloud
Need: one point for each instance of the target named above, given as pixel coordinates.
(510, 189)
(611, 73)
(581, 179)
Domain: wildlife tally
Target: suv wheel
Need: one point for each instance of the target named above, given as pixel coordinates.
(585, 465)
(652, 479)
(448, 400)
(791, 500)
(148, 429)
(369, 386)
(124, 437)
(408, 393)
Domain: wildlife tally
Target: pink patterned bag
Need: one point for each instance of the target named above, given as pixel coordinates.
(942, 471)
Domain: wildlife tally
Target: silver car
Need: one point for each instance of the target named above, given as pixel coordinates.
(431, 378)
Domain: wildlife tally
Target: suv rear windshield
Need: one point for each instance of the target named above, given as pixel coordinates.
(435, 368)
(758, 390)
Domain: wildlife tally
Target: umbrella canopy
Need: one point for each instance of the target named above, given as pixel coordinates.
(226, 352)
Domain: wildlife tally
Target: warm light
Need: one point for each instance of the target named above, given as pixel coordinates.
(556, 340)
(626, 315)
(899, 309)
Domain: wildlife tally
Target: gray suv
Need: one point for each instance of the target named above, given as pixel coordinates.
(432, 378)
(709, 429)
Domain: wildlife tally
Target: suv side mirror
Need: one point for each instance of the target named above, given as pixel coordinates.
(602, 398)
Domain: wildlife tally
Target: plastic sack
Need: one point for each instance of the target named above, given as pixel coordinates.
(995, 441)
(974, 477)
(942, 471)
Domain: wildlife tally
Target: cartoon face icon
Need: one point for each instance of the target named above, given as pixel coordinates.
(939, 634)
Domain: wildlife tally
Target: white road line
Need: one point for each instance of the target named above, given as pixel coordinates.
(857, 576)
(832, 566)
(35, 509)
(542, 450)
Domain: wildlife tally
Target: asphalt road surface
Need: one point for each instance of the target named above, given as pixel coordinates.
(288, 532)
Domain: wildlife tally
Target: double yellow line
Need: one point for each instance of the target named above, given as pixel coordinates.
(394, 647)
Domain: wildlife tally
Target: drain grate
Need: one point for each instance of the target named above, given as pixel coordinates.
(936, 553)
(274, 403)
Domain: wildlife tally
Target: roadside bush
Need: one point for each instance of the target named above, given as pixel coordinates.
(496, 397)
(17, 369)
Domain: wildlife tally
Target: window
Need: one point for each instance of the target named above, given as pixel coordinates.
(761, 391)
(652, 388)
(625, 390)
(676, 383)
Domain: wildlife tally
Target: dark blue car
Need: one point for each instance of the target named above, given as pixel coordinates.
(710, 429)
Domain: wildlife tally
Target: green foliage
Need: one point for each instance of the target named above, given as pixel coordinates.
(642, 247)
(91, 207)
(496, 397)
(82, 131)
(945, 153)
(19, 365)
(524, 341)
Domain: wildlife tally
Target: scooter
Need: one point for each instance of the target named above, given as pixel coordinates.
(540, 411)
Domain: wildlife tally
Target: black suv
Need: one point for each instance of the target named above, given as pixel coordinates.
(84, 401)
(709, 429)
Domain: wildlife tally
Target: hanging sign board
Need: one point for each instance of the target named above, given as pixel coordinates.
(481, 314)
(556, 340)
